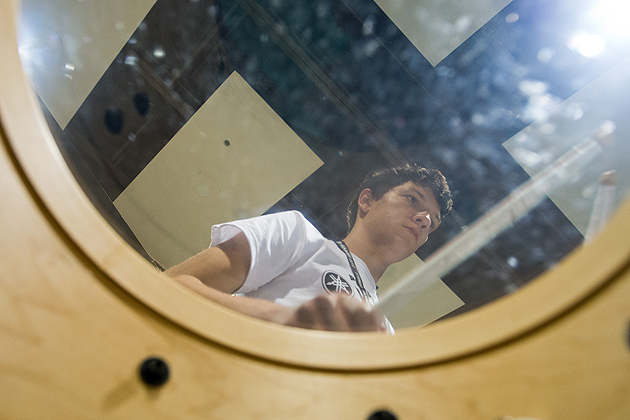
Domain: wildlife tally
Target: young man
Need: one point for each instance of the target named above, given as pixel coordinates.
(283, 270)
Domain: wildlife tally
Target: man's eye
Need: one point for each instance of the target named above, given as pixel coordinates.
(412, 199)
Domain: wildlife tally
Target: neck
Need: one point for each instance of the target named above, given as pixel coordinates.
(360, 245)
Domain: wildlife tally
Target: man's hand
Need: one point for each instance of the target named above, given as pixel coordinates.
(335, 312)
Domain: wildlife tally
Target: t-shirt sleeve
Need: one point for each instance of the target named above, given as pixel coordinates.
(275, 242)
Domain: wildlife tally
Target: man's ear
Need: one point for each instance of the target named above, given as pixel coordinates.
(365, 200)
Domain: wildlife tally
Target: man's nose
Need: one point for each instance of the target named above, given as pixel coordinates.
(423, 219)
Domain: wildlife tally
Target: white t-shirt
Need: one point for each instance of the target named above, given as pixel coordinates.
(291, 262)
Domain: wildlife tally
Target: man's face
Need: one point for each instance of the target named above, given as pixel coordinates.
(403, 218)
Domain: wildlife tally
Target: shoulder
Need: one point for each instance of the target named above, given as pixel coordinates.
(283, 226)
(295, 224)
(289, 224)
(304, 223)
(282, 220)
(297, 218)
(290, 218)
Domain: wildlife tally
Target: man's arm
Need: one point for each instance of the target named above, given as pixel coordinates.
(217, 272)
(223, 268)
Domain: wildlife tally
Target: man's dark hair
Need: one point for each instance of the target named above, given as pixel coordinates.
(383, 180)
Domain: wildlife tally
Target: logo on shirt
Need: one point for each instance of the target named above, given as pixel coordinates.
(334, 283)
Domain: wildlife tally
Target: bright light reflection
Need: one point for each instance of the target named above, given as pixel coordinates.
(587, 45)
(612, 17)
(39, 48)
